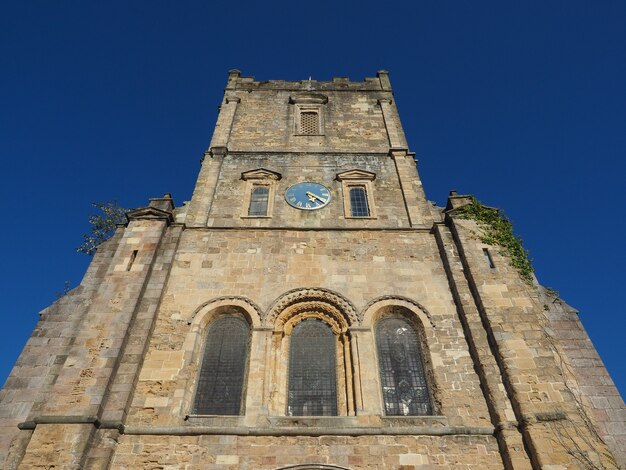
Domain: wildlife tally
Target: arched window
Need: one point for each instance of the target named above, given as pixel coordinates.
(404, 387)
(312, 370)
(221, 379)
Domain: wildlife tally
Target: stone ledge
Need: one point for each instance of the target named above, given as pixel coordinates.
(310, 431)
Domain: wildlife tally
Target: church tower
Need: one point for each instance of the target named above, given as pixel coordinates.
(309, 308)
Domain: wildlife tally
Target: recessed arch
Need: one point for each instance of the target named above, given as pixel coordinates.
(203, 315)
(411, 381)
(289, 303)
(381, 305)
(286, 315)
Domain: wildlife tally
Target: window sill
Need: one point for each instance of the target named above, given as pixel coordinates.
(256, 216)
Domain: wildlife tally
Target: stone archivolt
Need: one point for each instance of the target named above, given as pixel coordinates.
(333, 303)
(325, 312)
(226, 304)
(374, 308)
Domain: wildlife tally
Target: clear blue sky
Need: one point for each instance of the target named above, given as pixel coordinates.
(521, 103)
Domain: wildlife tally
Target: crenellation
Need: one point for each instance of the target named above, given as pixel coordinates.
(237, 82)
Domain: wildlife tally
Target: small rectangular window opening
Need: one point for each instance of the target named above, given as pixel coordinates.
(132, 260)
(358, 202)
(488, 258)
(259, 200)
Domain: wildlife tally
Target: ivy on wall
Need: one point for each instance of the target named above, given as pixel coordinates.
(498, 230)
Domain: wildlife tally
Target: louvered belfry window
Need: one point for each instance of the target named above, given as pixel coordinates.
(259, 200)
(404, 388)
(312, 370)
(221, 380)
(309, 123)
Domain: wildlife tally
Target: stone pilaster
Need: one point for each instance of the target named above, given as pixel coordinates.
(412, 189)
(117, 400)
(257, 396)
(392, 123)
(224, 122)
(202, 198)
(500, 408)
(367, 384)
(204, 191)
(383, 76)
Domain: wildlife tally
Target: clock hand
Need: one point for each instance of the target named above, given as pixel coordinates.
(313, 196)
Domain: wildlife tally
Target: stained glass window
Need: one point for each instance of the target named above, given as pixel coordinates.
(258, 200)
(404, 388)
(222, 374)
(312, 370)
(358, 202)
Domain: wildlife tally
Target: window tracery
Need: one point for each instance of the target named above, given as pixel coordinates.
(403, 381)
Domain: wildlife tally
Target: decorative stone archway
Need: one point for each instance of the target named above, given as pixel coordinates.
(312, 294)
(294, 307)
(374, 307)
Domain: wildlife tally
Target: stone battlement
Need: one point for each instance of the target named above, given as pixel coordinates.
(378, 83)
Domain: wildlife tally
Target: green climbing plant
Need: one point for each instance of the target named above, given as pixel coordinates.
(498, 230)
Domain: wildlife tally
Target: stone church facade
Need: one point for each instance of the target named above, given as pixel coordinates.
(308, 309)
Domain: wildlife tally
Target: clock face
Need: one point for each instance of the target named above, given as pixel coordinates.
(307, 196)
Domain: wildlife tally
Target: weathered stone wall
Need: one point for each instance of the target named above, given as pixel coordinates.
(28, 386)
(229, 198)
(355, 452)
(262, 265)
(256, 129)
(77, 353)
(264, 117)
(553, 424)
(586, 375)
